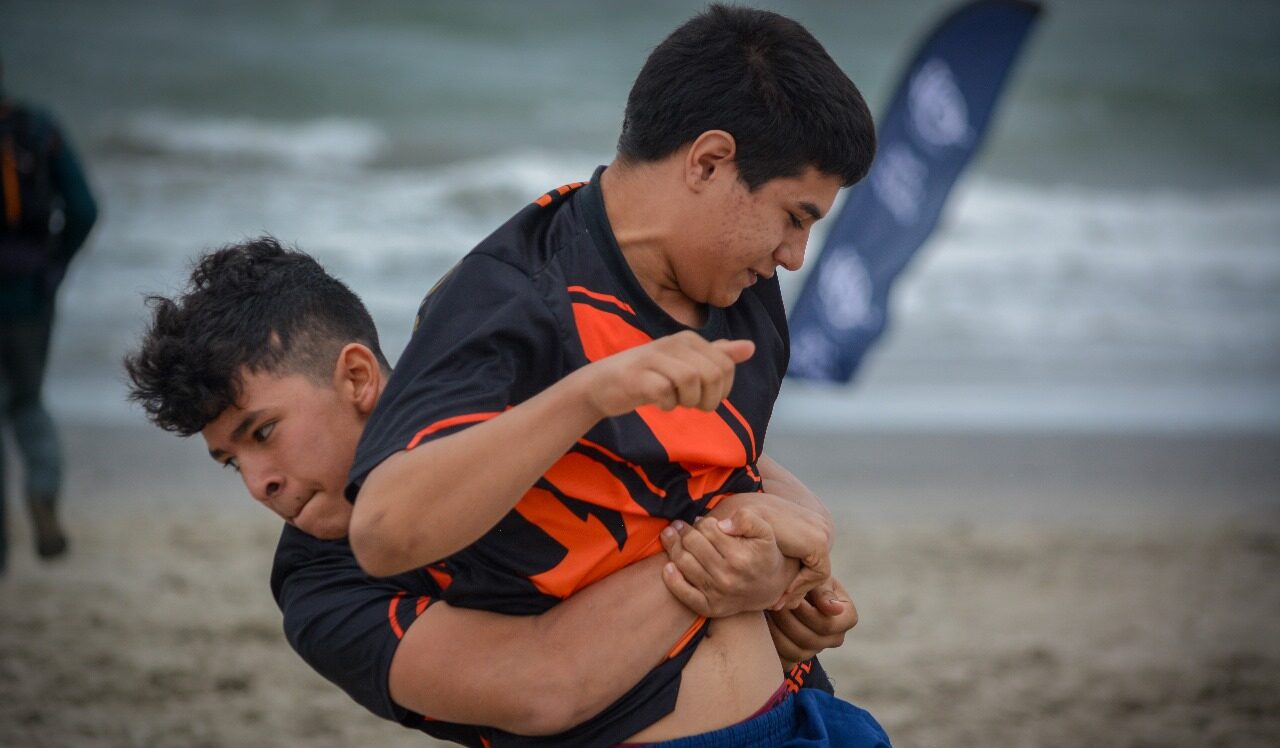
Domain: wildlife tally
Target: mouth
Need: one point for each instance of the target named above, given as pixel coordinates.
(297, 512)
(322, 517)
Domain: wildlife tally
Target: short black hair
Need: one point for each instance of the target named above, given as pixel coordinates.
(255, 306)
(764, 79)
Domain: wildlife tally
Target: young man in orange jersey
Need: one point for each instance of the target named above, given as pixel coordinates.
(607, 361)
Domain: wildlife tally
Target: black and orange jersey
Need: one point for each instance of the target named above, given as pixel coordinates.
(346, 625)
(546, 294)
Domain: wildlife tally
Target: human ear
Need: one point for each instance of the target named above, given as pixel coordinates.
(358, 376)
(710, 157)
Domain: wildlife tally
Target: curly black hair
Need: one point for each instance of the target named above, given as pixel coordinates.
(255, 306)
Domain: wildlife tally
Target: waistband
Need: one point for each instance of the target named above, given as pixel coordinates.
(722, 736)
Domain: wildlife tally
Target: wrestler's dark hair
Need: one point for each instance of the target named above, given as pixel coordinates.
(762, 78)
(255, 306)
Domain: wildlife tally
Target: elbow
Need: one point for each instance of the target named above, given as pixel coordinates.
(550, 709)
(378, 550)
(555, 694)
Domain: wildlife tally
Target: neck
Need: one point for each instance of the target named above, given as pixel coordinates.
(636, 201)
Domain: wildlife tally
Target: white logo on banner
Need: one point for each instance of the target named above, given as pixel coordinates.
(844, 289)
(812, 355)
(898, 181)
(939, 113)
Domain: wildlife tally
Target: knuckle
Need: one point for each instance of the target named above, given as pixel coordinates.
(721, 579)
(824, 535)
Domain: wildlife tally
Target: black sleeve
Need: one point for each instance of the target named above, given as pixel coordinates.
(81, 210)
(345, 624)
(769, 293)
(485, 341)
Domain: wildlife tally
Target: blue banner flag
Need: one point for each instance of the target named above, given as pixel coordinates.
(936, 121)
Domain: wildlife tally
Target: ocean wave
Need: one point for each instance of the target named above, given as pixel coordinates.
(1024, 289)
(1030, 269)
(326, 142)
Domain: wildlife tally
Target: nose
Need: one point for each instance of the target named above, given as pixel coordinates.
(790, 254)
(263, 481)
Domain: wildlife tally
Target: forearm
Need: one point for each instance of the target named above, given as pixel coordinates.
(421, 505)
(426, 503)
(782, 482)
(540, 674)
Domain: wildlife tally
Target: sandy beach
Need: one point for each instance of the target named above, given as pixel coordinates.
(1016, 590)
(1056, 477)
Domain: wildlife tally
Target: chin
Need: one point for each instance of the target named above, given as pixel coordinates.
(727, 300)
(327, 525)
(327, 531)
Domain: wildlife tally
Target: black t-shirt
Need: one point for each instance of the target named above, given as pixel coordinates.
(346, 625)
(544, 295)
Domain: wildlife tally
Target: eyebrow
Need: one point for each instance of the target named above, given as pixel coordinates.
(236, 435)
(811, 209)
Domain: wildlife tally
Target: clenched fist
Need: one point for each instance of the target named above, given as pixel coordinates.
(683, 369)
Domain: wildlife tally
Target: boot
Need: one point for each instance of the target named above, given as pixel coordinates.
(51, 541)
(4, 534)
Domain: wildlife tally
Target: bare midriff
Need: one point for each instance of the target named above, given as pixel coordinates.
(734, 670)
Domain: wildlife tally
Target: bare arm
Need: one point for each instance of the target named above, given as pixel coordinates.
(542, 674)
(424, 504)
(827, 612)
(781, 482)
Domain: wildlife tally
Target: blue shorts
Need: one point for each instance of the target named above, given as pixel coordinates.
(808, 719)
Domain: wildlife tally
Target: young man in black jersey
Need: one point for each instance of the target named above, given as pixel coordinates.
(607, 362)
(277, 365)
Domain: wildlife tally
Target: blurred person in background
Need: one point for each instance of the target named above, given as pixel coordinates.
(48, 211)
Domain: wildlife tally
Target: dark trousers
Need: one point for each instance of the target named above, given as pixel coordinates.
(24, 352)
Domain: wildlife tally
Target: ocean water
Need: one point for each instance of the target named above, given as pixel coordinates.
(1111, 261)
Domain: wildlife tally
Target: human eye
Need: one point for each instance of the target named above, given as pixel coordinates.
(262, 432)
(795, 220)
(232, 463)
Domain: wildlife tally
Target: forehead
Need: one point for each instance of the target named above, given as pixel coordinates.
(809, 185)
(264, 391)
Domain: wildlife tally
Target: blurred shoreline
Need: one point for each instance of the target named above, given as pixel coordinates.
(929, 476)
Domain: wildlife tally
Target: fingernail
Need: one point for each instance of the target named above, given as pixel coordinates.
(668, 533)
(726, 525)
(670, 568)
(678, 525)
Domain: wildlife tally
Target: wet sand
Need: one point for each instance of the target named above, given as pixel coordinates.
(1014, 589)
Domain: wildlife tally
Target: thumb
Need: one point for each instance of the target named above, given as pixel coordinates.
(738, 350)
(824, 598)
